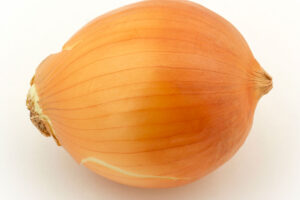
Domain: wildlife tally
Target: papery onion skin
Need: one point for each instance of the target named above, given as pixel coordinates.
(155, 94)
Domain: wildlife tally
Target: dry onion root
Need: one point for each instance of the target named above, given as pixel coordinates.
(155, 94)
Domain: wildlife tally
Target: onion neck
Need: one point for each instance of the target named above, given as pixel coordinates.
(40, 120)
(263, 81)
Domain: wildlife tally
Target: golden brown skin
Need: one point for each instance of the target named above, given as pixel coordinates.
(155, 94)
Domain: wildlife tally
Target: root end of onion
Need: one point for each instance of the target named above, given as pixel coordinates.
(128, 173)
(41, 121)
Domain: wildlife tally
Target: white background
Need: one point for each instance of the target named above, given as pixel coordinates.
(33, 167)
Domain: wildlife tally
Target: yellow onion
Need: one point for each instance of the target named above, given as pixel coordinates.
(155, 94)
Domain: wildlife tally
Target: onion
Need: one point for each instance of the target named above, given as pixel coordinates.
(155, 94)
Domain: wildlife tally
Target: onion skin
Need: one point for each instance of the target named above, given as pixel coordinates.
(155, 94)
